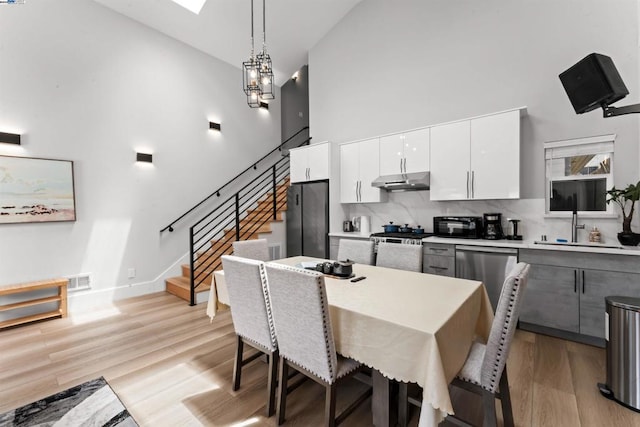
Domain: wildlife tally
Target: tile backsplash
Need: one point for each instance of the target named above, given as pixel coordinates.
(415, 208)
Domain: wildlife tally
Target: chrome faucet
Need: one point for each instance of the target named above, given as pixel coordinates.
(575, 226)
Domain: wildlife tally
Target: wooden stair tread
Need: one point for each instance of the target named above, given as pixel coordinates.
(185, 282)
(181, 287)
(257, 221)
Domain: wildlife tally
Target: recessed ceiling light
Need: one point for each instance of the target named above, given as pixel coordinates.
(194, 6)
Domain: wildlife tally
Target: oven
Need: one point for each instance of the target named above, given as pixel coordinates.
(399, 238)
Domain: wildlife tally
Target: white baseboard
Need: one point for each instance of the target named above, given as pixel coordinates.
(94, 298)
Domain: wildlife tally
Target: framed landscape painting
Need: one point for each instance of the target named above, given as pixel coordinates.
(36, 190)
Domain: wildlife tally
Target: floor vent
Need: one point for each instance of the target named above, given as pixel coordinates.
(274, 251)
(79, 282)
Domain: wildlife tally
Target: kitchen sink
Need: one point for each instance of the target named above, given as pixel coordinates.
(581, 245)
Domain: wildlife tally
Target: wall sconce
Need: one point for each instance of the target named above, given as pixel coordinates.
(214, 126)
(143, 157)
(264, 105)
(295, 76)
(10, 138)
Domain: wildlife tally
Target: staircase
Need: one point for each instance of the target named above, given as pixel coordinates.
(257, 221)
(246, 214)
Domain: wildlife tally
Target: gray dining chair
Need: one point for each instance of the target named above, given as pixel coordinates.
(305, 337)
(253, 249)
(252, 321)
(485, 371)
(358, 251)
(401, 257)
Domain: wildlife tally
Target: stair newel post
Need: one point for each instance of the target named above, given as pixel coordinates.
(275, 188)
(192, 262)
(237, 216)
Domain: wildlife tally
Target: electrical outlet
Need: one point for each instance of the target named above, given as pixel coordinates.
(132, 273)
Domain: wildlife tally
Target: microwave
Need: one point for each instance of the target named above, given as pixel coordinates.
(464, 227)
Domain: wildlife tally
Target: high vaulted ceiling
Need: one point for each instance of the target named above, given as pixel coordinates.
(223, 27)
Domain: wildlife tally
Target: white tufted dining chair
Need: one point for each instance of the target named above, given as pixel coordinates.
(358, 251)
(401, 257)
(305, 336)
(252, 320)
(253, 249)
(484, 371)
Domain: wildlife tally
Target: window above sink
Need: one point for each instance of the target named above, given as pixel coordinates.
(578, 174)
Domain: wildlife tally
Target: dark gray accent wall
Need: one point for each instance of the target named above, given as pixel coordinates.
(295, 106)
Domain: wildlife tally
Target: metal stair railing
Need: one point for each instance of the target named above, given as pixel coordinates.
(253, 166)
(236, 218)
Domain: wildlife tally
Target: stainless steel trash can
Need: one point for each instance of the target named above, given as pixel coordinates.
(623, 351)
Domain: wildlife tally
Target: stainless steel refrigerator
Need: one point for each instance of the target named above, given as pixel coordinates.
(308, 219)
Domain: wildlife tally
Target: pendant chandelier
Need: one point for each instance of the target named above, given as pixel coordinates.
(258, 70)
(266, 69)
(251, 74)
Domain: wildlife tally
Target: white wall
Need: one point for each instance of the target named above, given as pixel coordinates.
(389, 66)
(83, 83)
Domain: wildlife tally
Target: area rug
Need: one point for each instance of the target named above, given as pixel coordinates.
(90, 404)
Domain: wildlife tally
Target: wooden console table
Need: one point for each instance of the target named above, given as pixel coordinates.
(60, 298)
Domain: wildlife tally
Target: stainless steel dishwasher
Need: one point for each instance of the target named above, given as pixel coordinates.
(487, 264)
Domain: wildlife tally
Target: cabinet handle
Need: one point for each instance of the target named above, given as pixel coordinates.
(473, 187)
(438, 250)
(583, 281)
(359, 191)
(575, 281)
(438, 268)
(467, 184)
(357, 185)
(405, 165)
(400, 164)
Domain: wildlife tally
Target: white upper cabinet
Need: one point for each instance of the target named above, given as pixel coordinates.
(495, 156)
(309, 163)
(405, 152)
(349, 173)
(450, 161)
(359, 166)
(477, 158)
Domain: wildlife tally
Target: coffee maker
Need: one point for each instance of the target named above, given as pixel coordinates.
(493, 226)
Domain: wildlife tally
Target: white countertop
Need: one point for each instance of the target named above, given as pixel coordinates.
(530, 244)
(517, 244)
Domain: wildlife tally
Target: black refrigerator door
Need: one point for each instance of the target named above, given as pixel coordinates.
(315, 219)
(294, 220)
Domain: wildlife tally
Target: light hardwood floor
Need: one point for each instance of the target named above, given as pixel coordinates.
(171, 367)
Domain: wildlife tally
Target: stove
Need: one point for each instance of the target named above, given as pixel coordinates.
(402, 238)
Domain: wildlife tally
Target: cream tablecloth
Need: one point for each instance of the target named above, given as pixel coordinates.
(217, 293)
(411, 327)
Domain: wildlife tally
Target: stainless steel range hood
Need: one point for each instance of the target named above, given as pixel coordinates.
(403, 182)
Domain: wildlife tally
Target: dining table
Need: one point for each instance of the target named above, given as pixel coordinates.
(407, 326)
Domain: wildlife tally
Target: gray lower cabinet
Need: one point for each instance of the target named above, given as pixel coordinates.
(439, 258)
(596, 285)
(551, 299)
(566, 290)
